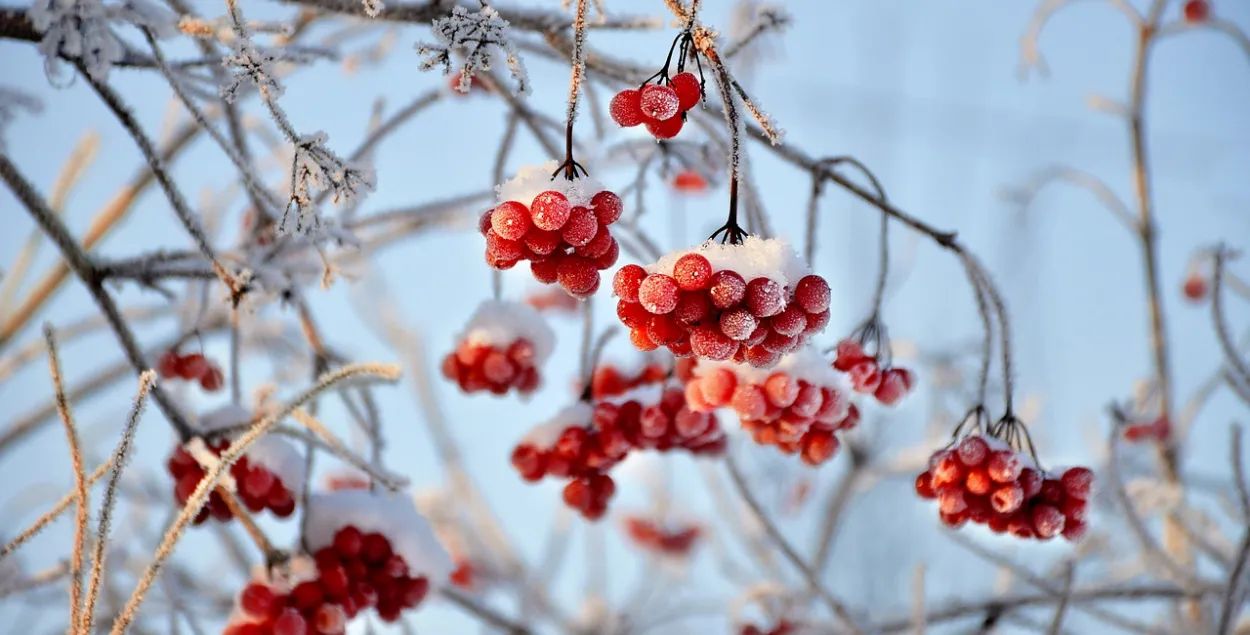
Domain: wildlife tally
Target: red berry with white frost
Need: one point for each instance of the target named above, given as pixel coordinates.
(659, 102)
(626, 108)
(686, 86)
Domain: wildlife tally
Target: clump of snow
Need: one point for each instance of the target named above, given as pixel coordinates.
(280, 457)
(545, 435)
(499, 323)
(772, 258)
(646, 394)
(532, 180)
(393, 515)
(807, 364)
(645, 468)
(227, 416)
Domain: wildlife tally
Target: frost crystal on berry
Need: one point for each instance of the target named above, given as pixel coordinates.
(476, 35)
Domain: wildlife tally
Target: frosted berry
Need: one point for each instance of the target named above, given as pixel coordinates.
(626, 108)
(738, 324)
(550, 210)
(659, 293)
(791, 322)
(581, 227)
(577, 275)
(924, 486)
(1004, 466)
(626, 282)
(290, 622)
(1195, 287)
(1078, 482)
(1048, 521)
(710, 343)
(692, 272)
(686, 87)
(510, 220)
(665, 128)
(1007, 498)
(865, 376)
(1197, 11)
(849, 353)
(764, 297)
(726, 289)
(659, 102)
(607, 207)
(812, 294)
(257, 600)
(973, 451)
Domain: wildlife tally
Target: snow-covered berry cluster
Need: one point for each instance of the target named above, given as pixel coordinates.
(751, 302)
(887, 384)
(656, 417)
(611, 380)
(262, 478)
(502, 348)
(982, 480)
(661, 539)
(797, 407)
(191, 367)
(570, 447)
(560, 225)
(661, 106)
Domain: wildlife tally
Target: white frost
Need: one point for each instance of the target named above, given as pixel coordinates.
(476, 36)
(545, 435)
(646, 394)
(532, 180)
(756, 257)
(499, 323)
(280, 457)
(393, 515)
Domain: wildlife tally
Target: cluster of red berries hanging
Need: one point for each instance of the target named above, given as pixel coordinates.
(501, 349)
(983, 480)
(559, 221)
(750, 301)
(869, 376)
(657, 417)
(661, 106)
(651, 536)
(191, 367)
(570, 447)
(262, 479)
(797, 407)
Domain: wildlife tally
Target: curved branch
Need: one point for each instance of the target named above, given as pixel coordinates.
(1077, 178)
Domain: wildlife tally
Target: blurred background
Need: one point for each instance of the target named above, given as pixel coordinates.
(927, 94)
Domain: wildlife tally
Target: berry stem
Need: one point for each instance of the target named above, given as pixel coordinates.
(273, 556)
(575, 87)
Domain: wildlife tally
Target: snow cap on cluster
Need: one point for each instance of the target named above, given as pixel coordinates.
(645, 394)
(393, 515)
(545, 435)
(772, 258)
(271, 451)
(499, 323)
(532, 180)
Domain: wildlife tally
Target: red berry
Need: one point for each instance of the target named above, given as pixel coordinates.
(764, 297)
(334, 582)
(760, 357)
(686, 87)
(168, 365)
(819, 447)
(483, 221)
(290, 623)
(607, 207)
(541, 241)
(658, 293)
(257, 600)
(710, 343)
(947, 470)
(664, 329)
(1030, 481)
(816, 322)
(192, 367)
(413, 591)
(1195, 288)
(1197, 11)
(951, 500)
(659, 102)
(348, 542)
(692, 272)
(791, 322)
(1007, 498)
(529, 461)
(972, 451)
(865, 376)
(503, 249)
(626, 108)
(978, 482)
(510, 220)
(550, 210)
(1074, 530)
(581, 227)
(375, 548)
(749, 401)
(1004, 466)
(329, 619)
(692, 308)
(665, 128)
(726, 289)
(1052, 492)
(626, 282)
(181, 463)
(608, 259)
(850, 353)
(738, 324)
(1078, 482)
(306, 595)
(781, 390)
(894, 386)
(577, 275)
(924, 485)
(1048, 521)
(812, 294)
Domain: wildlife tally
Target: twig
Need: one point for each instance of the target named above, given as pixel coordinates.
(482, 612)
(57, 509)
(1056, 623)
(340, 449)
(1232, 603)
(80, 479)
(1236, 365)
(122, 454)
(787, 550)
(1239, 472)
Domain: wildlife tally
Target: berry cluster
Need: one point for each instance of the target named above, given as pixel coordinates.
(501, 349)
(650, 536)
(480, 367)
(356, 572)
(611, 381)
(258, 488)
(191, 367)
(656, 417)
(751, 302)
(1157, 429)
(569, 447)
(661, 107)
(561, 226)
(690, 182)
(982, 480)
(888, 385)
(797, 408)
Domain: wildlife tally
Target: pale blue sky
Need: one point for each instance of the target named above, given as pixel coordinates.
(925, 93)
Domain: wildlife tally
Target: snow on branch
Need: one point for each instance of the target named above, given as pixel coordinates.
(82, 30)
(475, 35)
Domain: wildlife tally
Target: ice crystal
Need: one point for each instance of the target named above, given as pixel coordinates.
(475, 35)
(316, 167)
(82, 30)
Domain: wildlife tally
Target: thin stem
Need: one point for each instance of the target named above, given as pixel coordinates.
(80, 479)
(1236, 365)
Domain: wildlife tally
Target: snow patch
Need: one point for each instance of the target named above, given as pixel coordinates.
(772, 258)
(807, 364)
(646, 394)
(393, 515)
(280, 457)
(545, 435)
(499, 323)
(532, 180)
(227, 416)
